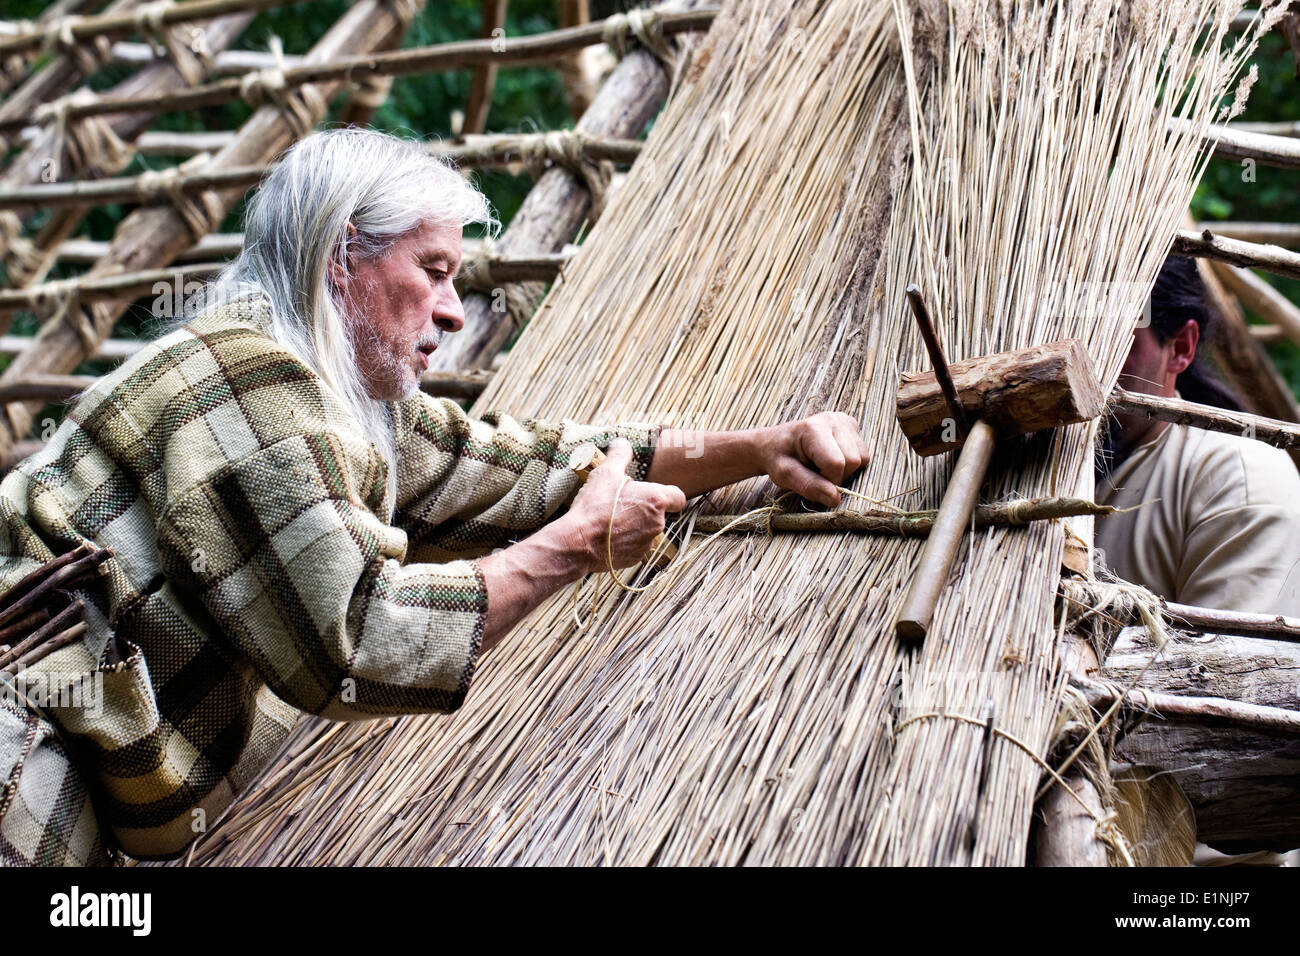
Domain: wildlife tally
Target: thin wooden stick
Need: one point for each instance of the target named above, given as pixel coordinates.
(1181, 412)
(48, 647)
(55, 625)
(104, 288)
(1285, 234)
(64, 576)
(914, 524)
(1253, 255)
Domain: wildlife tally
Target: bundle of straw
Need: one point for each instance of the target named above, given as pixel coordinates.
(755, 706)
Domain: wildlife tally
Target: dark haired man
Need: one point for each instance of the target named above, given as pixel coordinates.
(1219, 522)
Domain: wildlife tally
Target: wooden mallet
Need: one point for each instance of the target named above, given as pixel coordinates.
(971, 405)
(586, 458)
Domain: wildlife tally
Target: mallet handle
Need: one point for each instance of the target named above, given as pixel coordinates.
(587, 458)
(950, 526)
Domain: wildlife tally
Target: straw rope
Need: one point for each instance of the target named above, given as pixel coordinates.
(202, 212)
(88, 56)
(299, 105)
(91, 145)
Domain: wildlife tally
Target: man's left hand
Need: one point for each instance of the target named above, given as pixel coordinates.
(812, 456)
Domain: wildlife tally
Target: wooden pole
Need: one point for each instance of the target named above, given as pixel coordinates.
(485, 74)
(947, 532)
(1285, 234)
(480, 152)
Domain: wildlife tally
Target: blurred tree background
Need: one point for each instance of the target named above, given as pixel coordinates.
(529, 99)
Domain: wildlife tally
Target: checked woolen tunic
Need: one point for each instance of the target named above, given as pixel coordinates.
(264, 565)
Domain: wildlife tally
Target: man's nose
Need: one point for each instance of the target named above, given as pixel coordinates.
(449, 315)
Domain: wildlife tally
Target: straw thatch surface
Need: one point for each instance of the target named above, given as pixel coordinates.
(754, 706)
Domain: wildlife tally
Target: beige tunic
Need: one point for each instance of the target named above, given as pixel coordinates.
(1220, 526)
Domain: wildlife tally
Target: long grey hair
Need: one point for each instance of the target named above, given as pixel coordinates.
(296, 225)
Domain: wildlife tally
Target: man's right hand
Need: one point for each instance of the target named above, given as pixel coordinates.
(642, 506)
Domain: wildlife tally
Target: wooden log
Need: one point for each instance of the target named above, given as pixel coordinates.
(1016, 392)
(557, 205)
(1241, 781)
(539, 49)
(1261, 298)
(1252, 255)
(150, 237)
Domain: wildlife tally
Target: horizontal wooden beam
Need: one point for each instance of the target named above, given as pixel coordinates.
(1271, 431)
(475, 152)
(1252, 255)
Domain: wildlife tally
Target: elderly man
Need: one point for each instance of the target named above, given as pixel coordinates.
(296, 527)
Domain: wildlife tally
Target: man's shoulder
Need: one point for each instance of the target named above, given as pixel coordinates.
(1229, 466)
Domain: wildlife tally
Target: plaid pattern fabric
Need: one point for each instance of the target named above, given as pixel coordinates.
(264, 563)
(46, 816)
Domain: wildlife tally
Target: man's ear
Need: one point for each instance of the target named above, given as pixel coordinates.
(336, 270)
(1182, 346)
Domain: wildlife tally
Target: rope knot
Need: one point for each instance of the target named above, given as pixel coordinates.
(646, 25)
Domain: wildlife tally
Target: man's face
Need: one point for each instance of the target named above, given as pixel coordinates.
(399, 305)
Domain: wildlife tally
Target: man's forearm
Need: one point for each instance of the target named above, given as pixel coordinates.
(700, 461)
(525, 574)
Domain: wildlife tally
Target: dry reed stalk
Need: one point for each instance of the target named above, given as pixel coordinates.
(754, 708)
